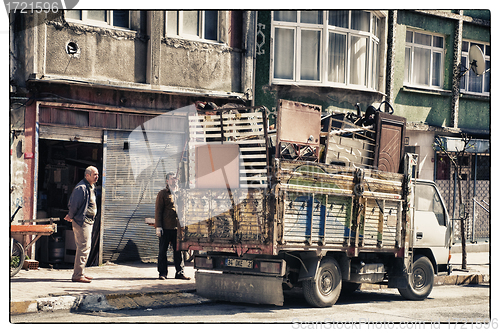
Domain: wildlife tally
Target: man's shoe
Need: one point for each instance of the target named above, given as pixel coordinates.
(88, 277)
(81, 279)
(182, 277)
(163, 277)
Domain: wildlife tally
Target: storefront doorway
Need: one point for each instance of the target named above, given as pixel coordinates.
(61, 166)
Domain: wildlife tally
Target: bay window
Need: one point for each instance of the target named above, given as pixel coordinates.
(327, 48)
(424, 56)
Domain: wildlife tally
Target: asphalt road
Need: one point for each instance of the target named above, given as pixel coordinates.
(447, 305)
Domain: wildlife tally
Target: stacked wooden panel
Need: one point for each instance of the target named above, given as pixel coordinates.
(242, 127)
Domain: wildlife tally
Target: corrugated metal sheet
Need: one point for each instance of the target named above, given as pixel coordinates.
(135, 166)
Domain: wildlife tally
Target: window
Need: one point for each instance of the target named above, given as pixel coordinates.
(481, 167)
(443, 165)
(427, 200)
(328, 48)
(424, 56)
(115, 18)
(471, 82)
(193, 24)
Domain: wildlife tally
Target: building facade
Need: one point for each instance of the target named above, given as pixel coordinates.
(96, 87)
(443, 99)
(82, 81)
(415, 60)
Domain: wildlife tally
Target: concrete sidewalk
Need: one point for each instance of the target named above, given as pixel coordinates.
(136, 285)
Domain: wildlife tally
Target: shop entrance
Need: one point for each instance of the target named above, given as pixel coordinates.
(61, 167)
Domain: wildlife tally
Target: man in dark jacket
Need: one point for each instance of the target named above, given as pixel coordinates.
(82, 211)
(166, 223)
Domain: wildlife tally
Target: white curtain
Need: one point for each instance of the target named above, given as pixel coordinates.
(190, 22)
(375, 65)
(358, 60)
(475, 82)
(172, 22)
(360, 20)
(98, 15)
(337, 44)
(285, 15)
(421, 66)
(338, 18)
(284, 41)
(310, 54)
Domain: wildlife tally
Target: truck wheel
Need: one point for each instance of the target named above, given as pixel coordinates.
(423, 279)
(324, 290)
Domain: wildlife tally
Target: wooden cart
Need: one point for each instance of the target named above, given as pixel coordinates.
(17, 253)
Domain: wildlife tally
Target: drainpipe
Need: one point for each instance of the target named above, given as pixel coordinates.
(248, 63)
(391, 55)
(457, 60)
(153, 59)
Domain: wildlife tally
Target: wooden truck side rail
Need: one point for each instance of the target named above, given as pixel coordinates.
(210, 221)
(330, 207)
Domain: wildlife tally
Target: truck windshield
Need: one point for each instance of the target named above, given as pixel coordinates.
(428, 200)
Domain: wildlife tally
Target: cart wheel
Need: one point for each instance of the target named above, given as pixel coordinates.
(16, 257)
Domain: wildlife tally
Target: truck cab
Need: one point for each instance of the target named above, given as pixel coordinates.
(432, 226)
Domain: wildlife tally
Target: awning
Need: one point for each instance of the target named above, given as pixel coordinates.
(477, 146)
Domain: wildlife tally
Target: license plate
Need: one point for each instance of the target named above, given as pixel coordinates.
(242, 263)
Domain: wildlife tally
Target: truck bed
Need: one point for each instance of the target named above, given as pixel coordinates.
(309, 206)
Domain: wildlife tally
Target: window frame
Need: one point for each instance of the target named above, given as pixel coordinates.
(372, 37)
(435, 205)
(201, 27)
(465, 78)
(410, 81)
(108, 23)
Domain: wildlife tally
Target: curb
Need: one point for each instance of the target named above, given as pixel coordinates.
(111, 302)
(471, 247)
(441, 280)
(130, 301)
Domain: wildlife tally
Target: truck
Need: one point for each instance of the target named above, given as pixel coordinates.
(318, 202)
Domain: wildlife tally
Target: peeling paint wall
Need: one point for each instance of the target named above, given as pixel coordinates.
(200, 65)
(17, 165)
(100, 56)
(139, 55)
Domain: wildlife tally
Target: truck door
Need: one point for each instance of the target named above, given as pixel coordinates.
(431, 223)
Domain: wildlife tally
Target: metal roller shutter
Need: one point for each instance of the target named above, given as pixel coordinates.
(135, 164)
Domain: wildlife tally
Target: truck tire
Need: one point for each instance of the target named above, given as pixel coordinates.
(423, 279)
(324, 289)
